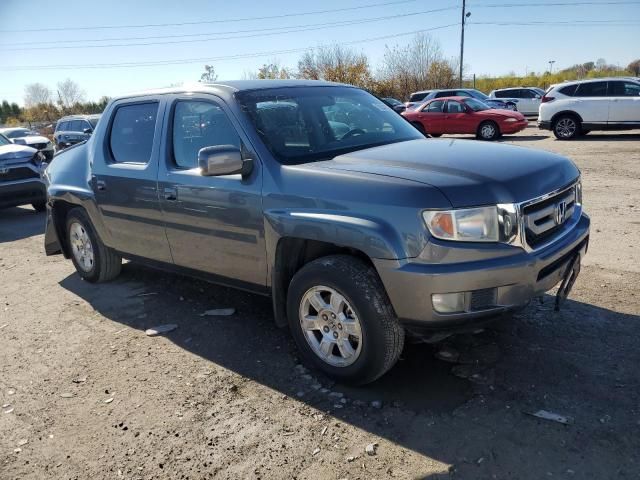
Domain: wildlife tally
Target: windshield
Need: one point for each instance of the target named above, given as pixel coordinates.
(4, 140)
(307, 124)
(22, 132)
(478, 94)
(476, 105)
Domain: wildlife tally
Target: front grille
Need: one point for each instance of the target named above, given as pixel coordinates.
(482, 299)
(21, 173)
(545, 219)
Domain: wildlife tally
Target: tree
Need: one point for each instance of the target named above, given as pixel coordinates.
(69, 94)
(36, 94)
(209, 75)
(634, 67)
(336, 64)
(273, 71)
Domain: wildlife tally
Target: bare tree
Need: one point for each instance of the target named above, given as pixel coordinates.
(273, 70)
(209, 75)
(69, 93)
(634, 67)
(337, 64)
(36, 94)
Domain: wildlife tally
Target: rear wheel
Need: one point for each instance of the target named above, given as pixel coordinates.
(488, 130)
(566, 127)
(94, 261)
(342, 320)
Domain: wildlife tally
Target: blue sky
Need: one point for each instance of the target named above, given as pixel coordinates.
(489, 48)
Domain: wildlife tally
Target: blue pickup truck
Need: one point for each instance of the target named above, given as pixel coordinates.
(319, 195)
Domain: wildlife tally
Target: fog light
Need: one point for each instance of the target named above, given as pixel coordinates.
(448, 302)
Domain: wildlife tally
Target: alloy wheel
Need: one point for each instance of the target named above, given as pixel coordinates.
(81, 246)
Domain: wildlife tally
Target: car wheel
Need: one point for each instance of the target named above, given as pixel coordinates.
(342, 320)
(488, 130)
(39, 206)
(418, 126)
(566, 127)
(94, 261)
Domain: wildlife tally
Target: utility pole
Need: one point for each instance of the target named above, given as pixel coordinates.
(465, 15)
(551, 62)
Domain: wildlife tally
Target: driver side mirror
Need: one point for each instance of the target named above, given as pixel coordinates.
(223, 160)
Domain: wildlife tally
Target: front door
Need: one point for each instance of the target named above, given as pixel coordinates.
(125, 169)
(214, 223)
(457, 119)
(625, 102)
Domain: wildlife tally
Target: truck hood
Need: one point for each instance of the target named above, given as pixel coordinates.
(467, 172)
(31, 140)
(13, 152)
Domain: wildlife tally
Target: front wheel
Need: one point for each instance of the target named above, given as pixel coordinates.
(566, 127)
(342, 320)
(488, 130)
(94, 261)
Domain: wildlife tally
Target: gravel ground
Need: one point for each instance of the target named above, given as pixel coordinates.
(86, 394)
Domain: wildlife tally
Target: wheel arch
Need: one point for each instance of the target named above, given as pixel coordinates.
(555, 117)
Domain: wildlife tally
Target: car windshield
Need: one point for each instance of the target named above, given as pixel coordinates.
(307, 124)
(22, 132)
(4, 140)
(478, 94)
(476, 105)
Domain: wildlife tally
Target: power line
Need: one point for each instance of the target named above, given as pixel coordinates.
(555, 4)
(212, 59)
(246, 33)
(202, 22)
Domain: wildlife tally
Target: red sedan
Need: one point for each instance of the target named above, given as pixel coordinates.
(464, 115)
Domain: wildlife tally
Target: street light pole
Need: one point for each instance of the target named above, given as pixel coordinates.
(462, 41)
(551, 62)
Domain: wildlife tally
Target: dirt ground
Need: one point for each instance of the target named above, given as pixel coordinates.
(86, 394)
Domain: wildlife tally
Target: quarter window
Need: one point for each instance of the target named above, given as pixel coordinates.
(198, 124)
(569, 90)
(592, 89)
(132, 132)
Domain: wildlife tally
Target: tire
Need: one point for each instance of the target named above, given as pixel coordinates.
(39, 206)
(567, 127)
(418, 126)
(488, 130)
(94, 261)
(436, 135)
(364, 311)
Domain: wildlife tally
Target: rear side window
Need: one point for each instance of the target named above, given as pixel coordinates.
(446, 93)
(502, 94)
(569, 90)
(435, 107)
(592, 89)
(198, 124)
(416, 97)
(132, 132)
(624, 89)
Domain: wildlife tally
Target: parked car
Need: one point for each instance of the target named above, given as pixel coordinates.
(464, 115)
(572, 109)
(394, 103)
(461, 92)
(20, 176)
(360, 237)
(24, 136)
(74, 129)
(527, 99)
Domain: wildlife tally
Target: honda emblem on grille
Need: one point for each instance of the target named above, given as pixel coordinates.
(560, 213)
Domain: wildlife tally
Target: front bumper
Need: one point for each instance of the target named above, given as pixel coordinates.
(512, 280)
(514, 127)
(22, 192)
(544, 124)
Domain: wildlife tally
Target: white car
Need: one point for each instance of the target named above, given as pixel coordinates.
(527, 99)
(575, 108)
(24, 136)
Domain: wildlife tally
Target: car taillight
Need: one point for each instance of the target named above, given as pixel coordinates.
(546, 99)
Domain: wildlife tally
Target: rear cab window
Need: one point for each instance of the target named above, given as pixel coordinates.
(132, 131)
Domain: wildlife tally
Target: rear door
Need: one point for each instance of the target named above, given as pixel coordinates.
(125, 170)
(625, 102)
(591, 102)
(214, 223)
(432, 116)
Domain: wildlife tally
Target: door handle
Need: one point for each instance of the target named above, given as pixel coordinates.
(170, 194)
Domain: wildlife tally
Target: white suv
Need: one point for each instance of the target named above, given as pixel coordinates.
(527, 99)
(575, 108)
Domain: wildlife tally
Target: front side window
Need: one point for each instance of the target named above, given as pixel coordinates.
(592, 89)
(306, 124)
(132, 132)
(435, 107)
(624, 89)
(199, 124)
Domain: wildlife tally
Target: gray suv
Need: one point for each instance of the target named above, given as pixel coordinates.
(20, 176)
(319, 195)
(74, 129)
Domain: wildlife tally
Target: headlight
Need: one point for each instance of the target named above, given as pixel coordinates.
(466, 225)
(497, 223)
(510, 120)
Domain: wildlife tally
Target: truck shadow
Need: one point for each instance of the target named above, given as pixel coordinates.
(539, 359)
(20, 222)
